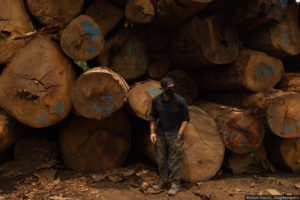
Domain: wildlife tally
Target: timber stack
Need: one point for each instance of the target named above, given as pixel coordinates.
(87, 68)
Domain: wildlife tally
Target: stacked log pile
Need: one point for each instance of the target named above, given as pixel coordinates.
(228, 60)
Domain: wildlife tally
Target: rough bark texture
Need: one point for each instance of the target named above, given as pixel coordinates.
(253, 70)
(98, 93)
(140, 11)
(140, 97)
(185, 85)
(281, 40)
(82, 39)
(92, 145)
(105, 14)
(284, 152)
(126, 54)
(14, 21)
(241, 131)
(203, 149)
(290, 82)
(55, 11)
(254, 162)
(204, 42)
(35, 86)
(158, 65)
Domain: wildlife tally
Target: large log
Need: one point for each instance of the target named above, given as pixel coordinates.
(91, 145)
(140, 97)
(105, 14)
(204, 42)
(55, 12)
(290, 82)
(280, 109)
(140, 11)
(241, 131)
(158, 65)
(203, 149)
(36, 84)
(254, 162)
(281, 40)
(98, 93)
(284, 152)
(14, 21)
(172, 13)
(10, 131)
(156, 38)
(185, 85)
(253, 70)
(126, 54)
(82, 39)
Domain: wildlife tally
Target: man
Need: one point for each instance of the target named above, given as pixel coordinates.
(168, 119)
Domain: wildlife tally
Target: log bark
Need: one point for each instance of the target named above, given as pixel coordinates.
(253, 162)
(290, 82)
(10, 131)
(14, 21)
(140, 97)
(82, 39)
(92, 145)
(241, 131)
(280, 109)
(172, 13)
(284, 152)
(98, 93)
(140, 11)
(252, 71)
(126, 54)
(105, 14)
(55, 12)
(280, 40)
(205, 42)
(35, 86)
(185, 85)
(158, 65)
(203, 149)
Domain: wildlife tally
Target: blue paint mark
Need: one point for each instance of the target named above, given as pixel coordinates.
(239, 131)
(169, 163)
(107, 105)
(244, 142)
(283, 3)
(263, 73)
(91, 50)
(42, 118)
(287, 37)
(254, 153)
(154, 92)
(58, 108)
(88, 26)
(97, 107)
(287, 128)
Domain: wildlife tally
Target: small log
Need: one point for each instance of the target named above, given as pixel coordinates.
(98, 93)
(253, 71)
(280, 109)
(105, 14)
(92, 145)
(140, 97)
(241, 131)
(14, 22)
(205, 42)
(10, 131)
(172, 13)
(82, 39)
(126, 54)
(203, 149)
(254, 162)
(280, 40)
(284, 152)
(158, 65)
(290, 82)
(36, 84)
(185, 85)
(55, 12)
(140, 11)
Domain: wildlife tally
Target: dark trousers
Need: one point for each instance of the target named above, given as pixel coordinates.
(168, 156)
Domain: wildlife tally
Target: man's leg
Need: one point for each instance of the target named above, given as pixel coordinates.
(161, 158)
(175, 151)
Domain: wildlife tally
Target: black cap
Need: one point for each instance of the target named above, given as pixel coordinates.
(166, 81)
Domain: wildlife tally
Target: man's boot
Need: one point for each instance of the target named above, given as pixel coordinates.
(160, 185)
(174, 190)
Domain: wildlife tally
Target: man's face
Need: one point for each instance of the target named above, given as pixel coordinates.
(168, 86)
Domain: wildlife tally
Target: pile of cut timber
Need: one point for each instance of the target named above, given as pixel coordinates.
(228, 59)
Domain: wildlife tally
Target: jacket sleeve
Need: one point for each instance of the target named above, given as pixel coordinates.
(185, 111)
(153, 113)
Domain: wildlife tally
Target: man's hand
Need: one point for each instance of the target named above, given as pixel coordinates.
(153, 138)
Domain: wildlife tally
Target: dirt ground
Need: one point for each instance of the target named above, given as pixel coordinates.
(134, 182)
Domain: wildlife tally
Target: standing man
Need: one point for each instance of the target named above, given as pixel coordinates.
(168, 119)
